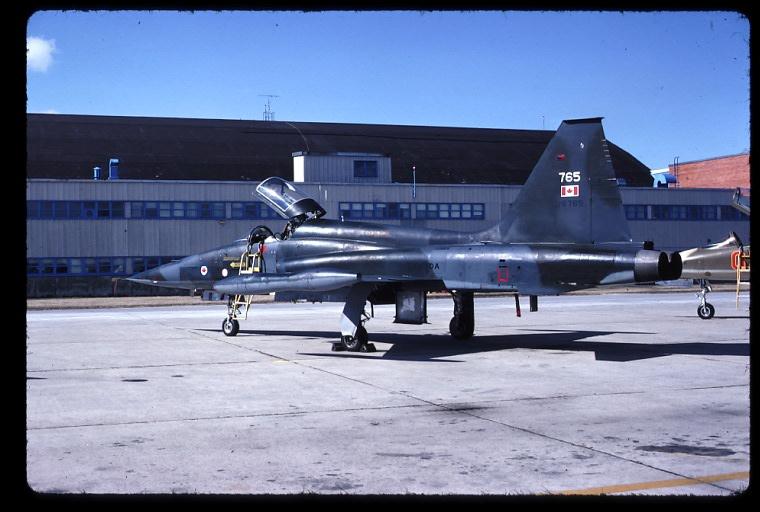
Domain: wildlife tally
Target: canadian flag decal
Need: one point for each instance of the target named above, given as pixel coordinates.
(570, 191)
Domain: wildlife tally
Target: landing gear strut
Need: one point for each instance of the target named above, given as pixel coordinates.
(462, 325)
(705, 310)
(353, 335)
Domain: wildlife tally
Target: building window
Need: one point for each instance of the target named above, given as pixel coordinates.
(90, 267)
(75, 210)
(89, 210)
(251, 210)
(76, 266)
(731, 213)
(147, 210)
(164, 210)
(32, 209)
(472, 211)
(47, 266)
(61, 266)
(104, 210)
(365, 168)
(136, 210)
(211, 211)
(62, 210)
(635, 211)
(106, 266)
(192, 210)
(178, 210)
(374, 210)
(117, 209)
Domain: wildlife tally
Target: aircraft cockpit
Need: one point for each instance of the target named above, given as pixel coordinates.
(289, 202)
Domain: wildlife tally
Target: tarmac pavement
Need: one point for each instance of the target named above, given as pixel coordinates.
(600, 394)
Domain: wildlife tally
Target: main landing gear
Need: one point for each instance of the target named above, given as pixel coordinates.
(353, 335)
(462, 325)
(355, 343)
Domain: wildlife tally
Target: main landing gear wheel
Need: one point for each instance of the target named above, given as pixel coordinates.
(230, 327)
(462, 325)
(461, 329)
(356, 343)
(706, 311)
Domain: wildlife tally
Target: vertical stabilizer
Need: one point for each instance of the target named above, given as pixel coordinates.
(572, 194)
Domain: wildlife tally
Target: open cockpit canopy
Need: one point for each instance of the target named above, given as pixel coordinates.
(287, 200)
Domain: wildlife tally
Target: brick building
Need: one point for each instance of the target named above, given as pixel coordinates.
(720, 172)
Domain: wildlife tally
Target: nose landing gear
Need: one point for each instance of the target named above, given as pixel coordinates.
(705, 310)
(230, 326)
(251, 261)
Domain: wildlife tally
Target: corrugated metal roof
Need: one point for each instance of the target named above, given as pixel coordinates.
(69, 146)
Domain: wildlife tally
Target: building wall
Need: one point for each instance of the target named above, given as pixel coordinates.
(339, 168)
(120, 240)
(723, 172)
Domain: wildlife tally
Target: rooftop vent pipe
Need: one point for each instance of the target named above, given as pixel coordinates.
(113, 169)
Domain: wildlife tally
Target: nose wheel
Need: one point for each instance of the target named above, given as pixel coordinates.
(705, 310)
(230, 326)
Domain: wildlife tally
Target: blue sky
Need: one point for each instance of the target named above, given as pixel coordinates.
(667, 83)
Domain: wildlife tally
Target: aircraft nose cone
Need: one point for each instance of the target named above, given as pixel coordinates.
(151, 276)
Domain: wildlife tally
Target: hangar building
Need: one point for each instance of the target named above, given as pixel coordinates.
(167, 188)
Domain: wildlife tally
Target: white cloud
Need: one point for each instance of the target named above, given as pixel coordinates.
(39, 53)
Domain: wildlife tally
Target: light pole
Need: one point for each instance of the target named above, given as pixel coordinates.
(414, 182)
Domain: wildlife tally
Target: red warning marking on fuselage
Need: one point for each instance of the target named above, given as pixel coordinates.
(735, 260)
(502, 275)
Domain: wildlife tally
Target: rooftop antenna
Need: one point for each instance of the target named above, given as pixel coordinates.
(268, 114)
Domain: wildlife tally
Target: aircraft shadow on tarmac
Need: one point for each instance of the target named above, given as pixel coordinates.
(433, 347)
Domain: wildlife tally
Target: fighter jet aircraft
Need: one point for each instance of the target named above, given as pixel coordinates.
(717, 262)
(726, 261)
(565, 231)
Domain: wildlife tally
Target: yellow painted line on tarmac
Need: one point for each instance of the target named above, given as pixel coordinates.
(660, 484)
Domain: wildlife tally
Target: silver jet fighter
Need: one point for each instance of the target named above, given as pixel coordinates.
(726, 261)
(565, 231)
